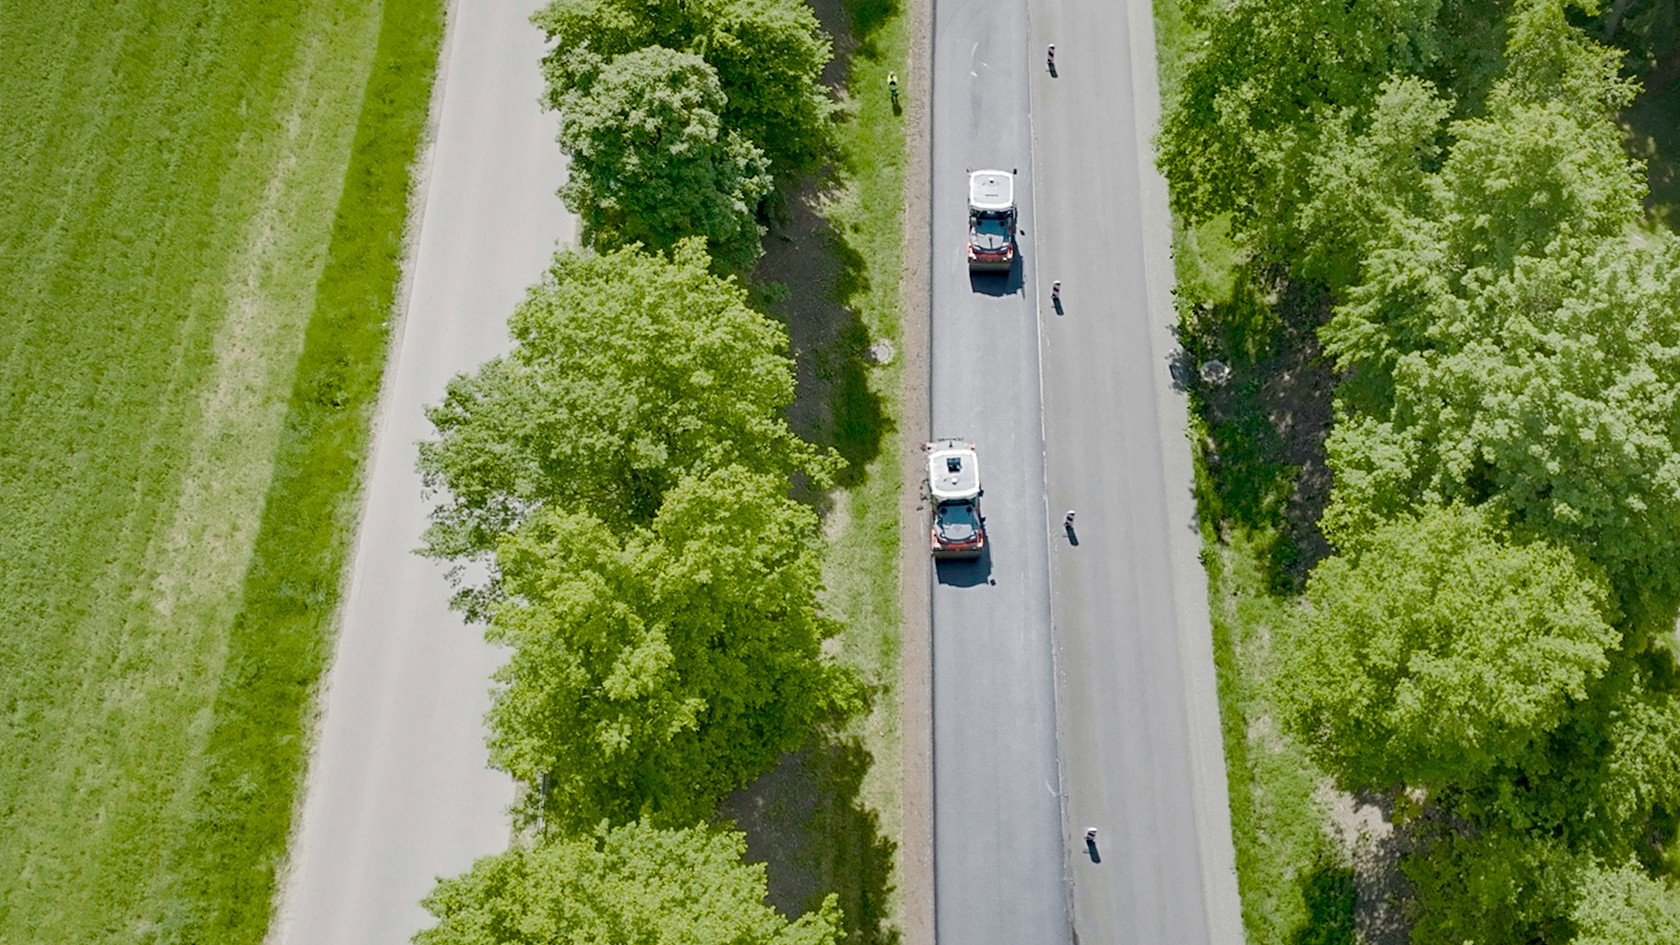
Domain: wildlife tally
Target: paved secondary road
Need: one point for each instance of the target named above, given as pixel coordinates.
(998, 848)
(1101, 431)
(1139, 720)
(399, 791)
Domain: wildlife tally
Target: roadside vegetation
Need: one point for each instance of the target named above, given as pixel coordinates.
(1441, 488)
(650, 492)
(198, 255)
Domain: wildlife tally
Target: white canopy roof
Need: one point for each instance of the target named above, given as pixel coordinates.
(991, 190)
(953, 473)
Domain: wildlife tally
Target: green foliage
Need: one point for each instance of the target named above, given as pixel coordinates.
(655, 668)
(1237, 135)
(1550, 61)
(202, 226)
(1529, 178)
(1491, 888)
(1439, 651)
(629, 370)
(652, 161)
(1369, 178)
(768, 56)
(1625, 906)
(1507, 450)
(1550, 392)
(634, 884)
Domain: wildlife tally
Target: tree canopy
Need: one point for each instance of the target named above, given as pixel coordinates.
(1439, 652)
(1625, 906)
(1496, 630)
(1243, 119)
(768, 56)
(634, 885)
(629, 369)
(653, 162)
(1550, 392)
(656, 668)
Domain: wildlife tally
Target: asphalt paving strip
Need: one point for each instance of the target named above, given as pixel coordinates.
(1128, 719)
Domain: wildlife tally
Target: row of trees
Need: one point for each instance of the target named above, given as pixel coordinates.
(618, 489)
(619, 482)
(1492, 647)
(679, 114)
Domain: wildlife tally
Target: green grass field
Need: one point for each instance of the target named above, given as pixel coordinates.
(199, 242)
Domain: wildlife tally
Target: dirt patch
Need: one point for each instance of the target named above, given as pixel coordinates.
(1362, 828)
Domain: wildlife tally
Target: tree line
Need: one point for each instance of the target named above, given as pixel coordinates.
(1491, 647)
(613, 494)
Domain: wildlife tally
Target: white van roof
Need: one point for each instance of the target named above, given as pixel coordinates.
(991, 190)
(953, 472)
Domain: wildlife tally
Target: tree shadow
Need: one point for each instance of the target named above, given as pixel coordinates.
(809, 268)
(1651, 132)
(1329, 891)
(806, 822)
(853, 25)
(1265, 424)
(1366, 837)
(806, 269)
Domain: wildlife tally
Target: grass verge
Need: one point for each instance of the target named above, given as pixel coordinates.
(1295, 883)
(826, 820)
(197, 258)
(279, 643)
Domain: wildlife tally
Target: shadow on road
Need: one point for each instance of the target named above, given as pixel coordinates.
(999, 284)
(965, 572)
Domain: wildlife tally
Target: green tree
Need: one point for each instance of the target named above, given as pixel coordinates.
(1542, 172)
(629, 369)
(1439, 651)
(1244, 117)
(1369, 179)
(768, 55)
(633, 885)
(1550, 393)
(1490, 887)
(652, 161)
(655, 669)
(1625, 906)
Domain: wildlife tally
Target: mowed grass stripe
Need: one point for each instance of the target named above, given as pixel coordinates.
(168, 205)
(279, 642)
(108, 351)
(174, 173)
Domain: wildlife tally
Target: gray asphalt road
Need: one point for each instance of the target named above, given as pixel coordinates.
(399, 791)
(1140, 736)
(1102, 431)
(998, 850)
